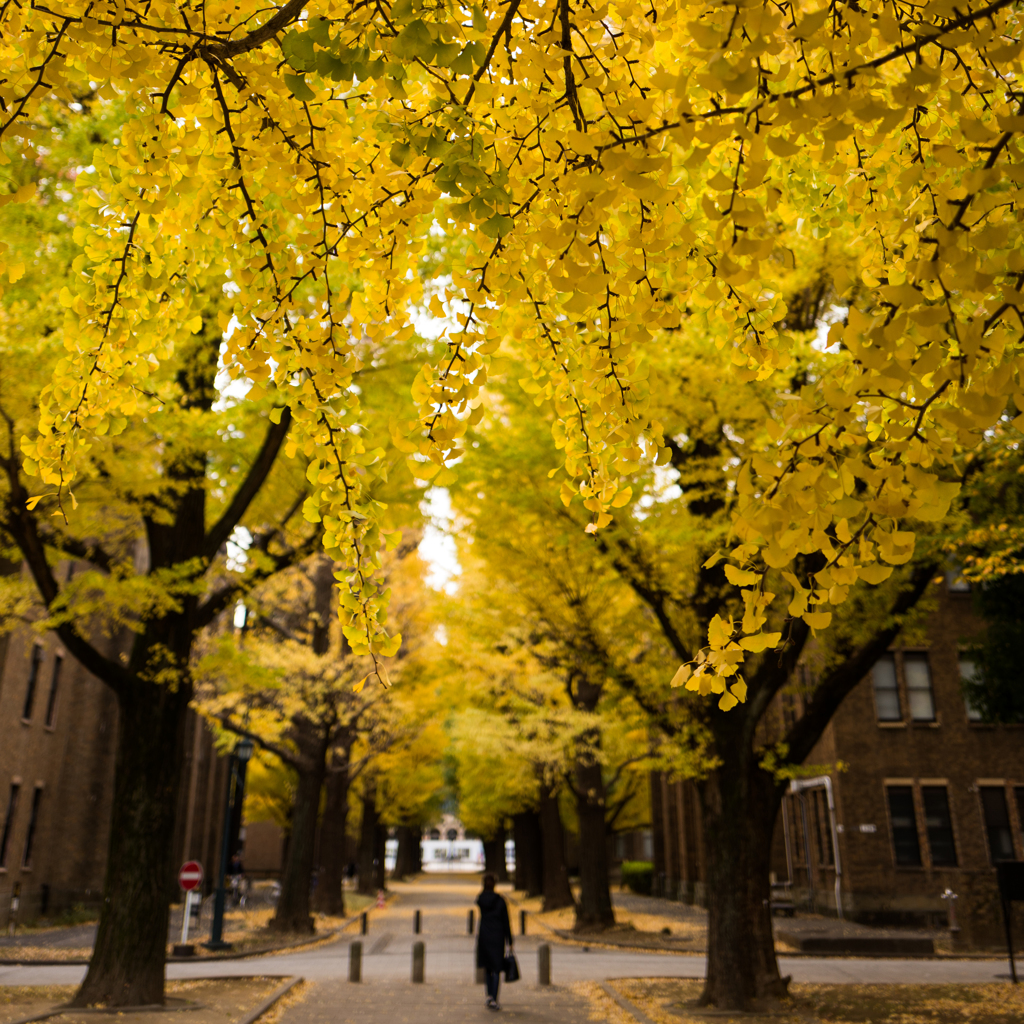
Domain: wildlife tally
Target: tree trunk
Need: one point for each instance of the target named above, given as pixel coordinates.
(739, 805)
(330, 894)
(367, 841)
(380, 870)
(519, 873)
(594, 910)
(529, 853)
(494, 855)
(297, 874)
(127, 965)
(557, 893)
(406, 859)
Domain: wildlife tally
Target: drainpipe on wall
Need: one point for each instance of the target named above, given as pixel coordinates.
(819, 782)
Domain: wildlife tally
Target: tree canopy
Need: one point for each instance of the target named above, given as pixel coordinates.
(602, 174)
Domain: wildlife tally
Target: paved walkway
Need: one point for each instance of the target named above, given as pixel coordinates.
(450, 994)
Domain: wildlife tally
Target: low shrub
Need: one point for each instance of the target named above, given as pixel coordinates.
(638, 875)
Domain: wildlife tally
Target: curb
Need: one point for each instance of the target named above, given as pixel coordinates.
(250, 1018)
(596, 943)
(259, 951)
(267, 1003)
(624, 1004)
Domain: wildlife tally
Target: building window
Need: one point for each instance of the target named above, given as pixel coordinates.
(26, 861)
(887, 694)
(997, 823)
(12, 809)
(33, 678)
(919, 687)
(903, 820)
(940, 826)
(51, 702)
(968, 673)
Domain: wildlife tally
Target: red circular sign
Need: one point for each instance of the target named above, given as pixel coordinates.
(190, 875)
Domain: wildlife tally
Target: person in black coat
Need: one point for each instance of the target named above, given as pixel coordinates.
(495, 931)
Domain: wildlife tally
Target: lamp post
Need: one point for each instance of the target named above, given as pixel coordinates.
(237, 762)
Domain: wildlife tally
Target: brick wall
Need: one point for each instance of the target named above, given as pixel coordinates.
(949, 754)
(64, 750)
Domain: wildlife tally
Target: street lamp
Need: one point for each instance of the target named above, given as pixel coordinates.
(237, 762)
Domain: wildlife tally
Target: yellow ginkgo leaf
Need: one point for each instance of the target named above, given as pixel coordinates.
(817, 620)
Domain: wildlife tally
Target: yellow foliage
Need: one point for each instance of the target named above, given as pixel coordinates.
(597, 188)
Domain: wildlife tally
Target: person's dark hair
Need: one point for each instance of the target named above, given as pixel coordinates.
(489, 881)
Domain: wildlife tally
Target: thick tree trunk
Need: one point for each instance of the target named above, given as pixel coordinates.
(594, 910)
(330, 895)
(494, 855)
(380, 870)
(367, 842)
(127, 965)
(557, 893)
(739, 805)
(519, 873)
(407, 860)
(529, 853)
(297, 874)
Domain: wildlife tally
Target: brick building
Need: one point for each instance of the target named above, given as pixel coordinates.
(930, 799)
(58, 728)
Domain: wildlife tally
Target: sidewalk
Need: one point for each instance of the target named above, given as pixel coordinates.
(338, 1002)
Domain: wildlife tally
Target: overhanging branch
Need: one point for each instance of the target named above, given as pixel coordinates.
(249, 488)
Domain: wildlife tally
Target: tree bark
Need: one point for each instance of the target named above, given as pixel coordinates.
(127, 965)
(297, 874)
(557, 893)
(380, 870)
(494, 855)
(529, 853)
(519, 873)
(594, 910)
(739, 804)
(407, 857)
(367, 842)
(330, 893)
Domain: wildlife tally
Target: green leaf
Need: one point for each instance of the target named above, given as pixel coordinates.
(414, 41)
(298, 50)
(437, 145)
(497, 226)
(479, 20)
(298, 88)
(400, 153)
(319, 30)
(463, 64)
(446, 54)
(329, 66)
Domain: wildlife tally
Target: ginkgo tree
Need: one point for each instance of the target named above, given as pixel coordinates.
(614, 169)
(601, 172)
(651, 589)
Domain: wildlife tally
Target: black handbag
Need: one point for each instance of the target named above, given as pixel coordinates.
(511, 967)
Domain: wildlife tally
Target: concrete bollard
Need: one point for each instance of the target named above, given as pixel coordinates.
(470, 922)
(355, 961)
(544, 963)
(419, 955)
(364, 923)
(522, 922)
(481, 978)
(417, 921)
